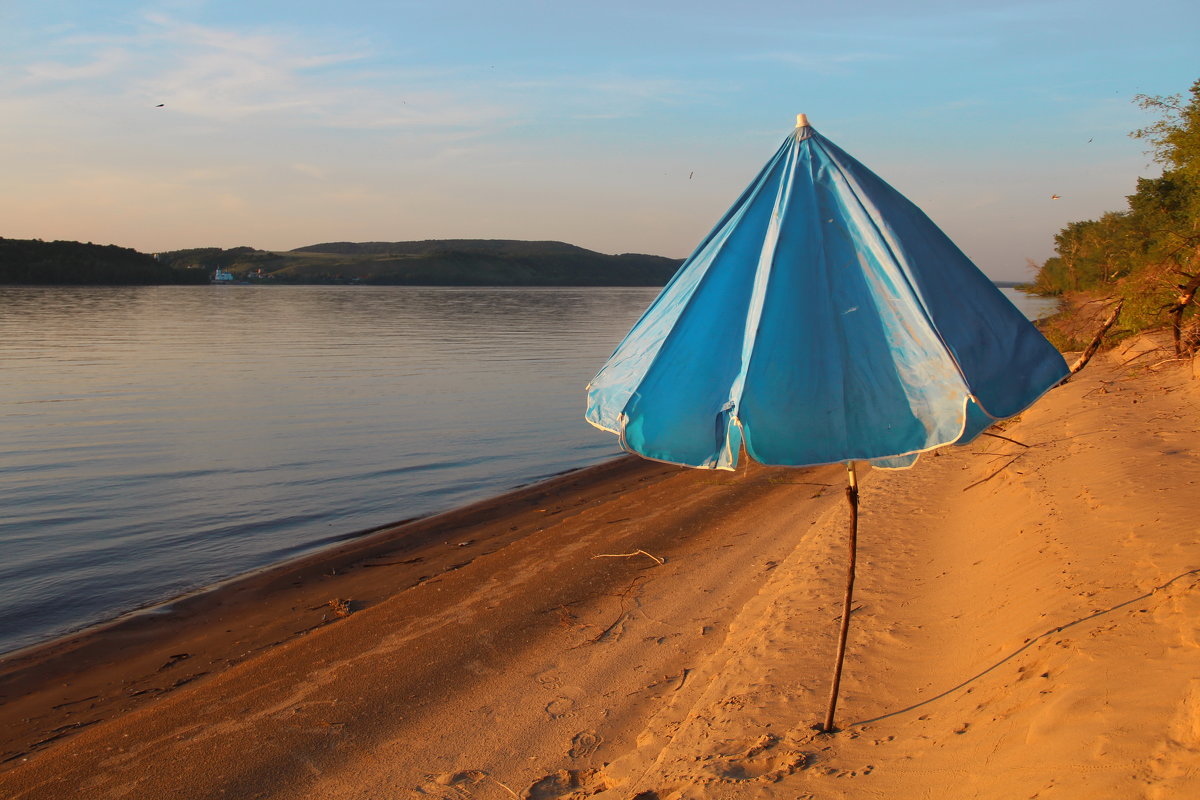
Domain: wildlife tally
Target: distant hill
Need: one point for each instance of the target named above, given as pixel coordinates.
(458, 262)
(500, 247)
(34, 262)
(429, 262)
(434, 262)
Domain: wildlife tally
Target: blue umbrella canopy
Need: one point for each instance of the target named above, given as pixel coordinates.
(825, 318)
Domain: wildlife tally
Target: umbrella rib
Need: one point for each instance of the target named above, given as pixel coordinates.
(856, 192)
(762, 278)
(901, 279)
(734, 212)
(726, 222)
(843, 344)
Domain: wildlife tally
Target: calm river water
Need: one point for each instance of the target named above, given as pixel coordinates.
(158, 439)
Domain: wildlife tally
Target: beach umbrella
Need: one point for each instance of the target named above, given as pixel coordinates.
(824, 319)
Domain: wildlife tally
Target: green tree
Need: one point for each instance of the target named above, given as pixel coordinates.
(1149, 254)
(1175, 137)
(1175, 143)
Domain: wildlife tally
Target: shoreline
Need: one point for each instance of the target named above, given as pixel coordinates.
(329, 545)
(306, 576)
(1024, 625)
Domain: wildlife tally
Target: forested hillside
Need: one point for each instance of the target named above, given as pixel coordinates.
(436, 262)
(34, 262)
(445, 262)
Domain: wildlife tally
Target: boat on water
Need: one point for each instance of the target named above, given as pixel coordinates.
(222, 276)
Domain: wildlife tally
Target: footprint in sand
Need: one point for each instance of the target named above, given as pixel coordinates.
(549, 679)
(584, 744)
(559, 706)
(761, 762)
(469, 776)
(567, 784)
(451, 784)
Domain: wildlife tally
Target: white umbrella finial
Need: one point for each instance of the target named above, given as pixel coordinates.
(802, 121)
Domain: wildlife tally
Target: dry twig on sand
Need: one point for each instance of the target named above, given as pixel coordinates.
(501, 785)
(1143, 354)
(994, 474)
(1005, 438)
(1169, 361)
(657, 560)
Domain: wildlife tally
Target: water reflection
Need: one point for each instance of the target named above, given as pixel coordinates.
(156, 439)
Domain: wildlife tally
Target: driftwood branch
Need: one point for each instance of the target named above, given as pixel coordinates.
(1187, 292)
(1087, 354)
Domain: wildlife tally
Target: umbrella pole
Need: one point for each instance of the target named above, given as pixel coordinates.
(852, 498)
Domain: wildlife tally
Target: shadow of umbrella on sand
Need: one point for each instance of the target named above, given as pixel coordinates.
(824, 319)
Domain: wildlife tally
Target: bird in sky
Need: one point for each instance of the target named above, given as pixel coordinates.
(1054, 197)
(160, 105)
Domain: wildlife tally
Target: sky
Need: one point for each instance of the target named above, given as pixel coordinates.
(617, 126)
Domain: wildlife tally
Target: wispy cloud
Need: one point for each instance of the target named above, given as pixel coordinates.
(107, 61)
(228, 76)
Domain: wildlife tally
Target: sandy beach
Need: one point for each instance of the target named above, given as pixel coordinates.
(1025, 626)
